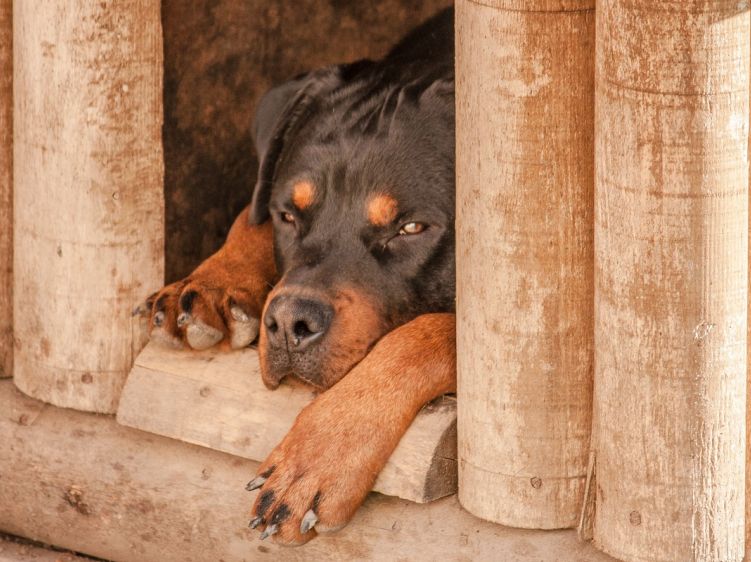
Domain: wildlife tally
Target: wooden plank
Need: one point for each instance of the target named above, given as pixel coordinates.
(671, 266)
(83, 482)
(6, 188)
(217, 400)
(88, 197)
(525, 181)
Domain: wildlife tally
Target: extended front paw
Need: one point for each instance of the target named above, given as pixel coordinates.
(314, 481)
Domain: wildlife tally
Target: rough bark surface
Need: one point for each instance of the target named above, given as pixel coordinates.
(6, 189)
(525, 180)
(671, 230)
(88, 193)
(220, 57)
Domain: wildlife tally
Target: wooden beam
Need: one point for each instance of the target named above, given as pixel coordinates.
(525, 181)
(6, 188)
(671, 257)
(83, 482)
(217, 399)
(89, 208)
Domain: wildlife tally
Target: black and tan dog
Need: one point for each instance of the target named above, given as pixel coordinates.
(345, 257)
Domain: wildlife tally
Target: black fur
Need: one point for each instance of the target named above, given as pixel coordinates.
(356, 130)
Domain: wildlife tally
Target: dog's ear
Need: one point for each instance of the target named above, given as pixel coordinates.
(281, 113)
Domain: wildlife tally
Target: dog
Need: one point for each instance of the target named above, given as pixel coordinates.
(343, 267)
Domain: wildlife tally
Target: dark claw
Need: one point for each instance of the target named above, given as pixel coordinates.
(255, 522)
(309, 521)
(256, 483)
(270, 530)
(159, 318)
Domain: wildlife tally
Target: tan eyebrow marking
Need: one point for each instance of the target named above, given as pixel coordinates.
(303, 193)
(382, 210)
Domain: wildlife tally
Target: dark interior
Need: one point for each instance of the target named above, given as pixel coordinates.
(220, 56)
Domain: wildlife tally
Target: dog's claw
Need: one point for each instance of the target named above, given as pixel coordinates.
(309, 521)
(183, 319)
(239, 314)
(270, 530)
(255, 522)
(256, 483)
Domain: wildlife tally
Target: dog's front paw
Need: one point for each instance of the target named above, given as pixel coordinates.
(222, 300)
(315, 480)
(201, 314)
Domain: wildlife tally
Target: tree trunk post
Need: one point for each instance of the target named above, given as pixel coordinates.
(671, 266)
(525, 181)
(89, 207)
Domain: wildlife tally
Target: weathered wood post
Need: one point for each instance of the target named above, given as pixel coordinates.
(671, 230)
(6, 189)
(88, 193)
(525, 180)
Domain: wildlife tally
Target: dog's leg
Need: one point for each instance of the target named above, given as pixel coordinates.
(321, 472)
(222, 300)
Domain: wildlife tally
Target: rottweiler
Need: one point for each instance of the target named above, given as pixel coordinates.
(343, 267)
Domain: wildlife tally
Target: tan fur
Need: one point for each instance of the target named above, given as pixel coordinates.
(302, 194)
(242, 271)
(341, 441)
(382, 209)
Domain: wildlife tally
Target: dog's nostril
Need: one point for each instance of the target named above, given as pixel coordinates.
(296, 323)
(301, 329)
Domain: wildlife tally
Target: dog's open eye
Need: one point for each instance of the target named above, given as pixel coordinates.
(287, 217)
(412, 228)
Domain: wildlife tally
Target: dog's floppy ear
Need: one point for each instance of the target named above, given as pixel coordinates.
(280, 114)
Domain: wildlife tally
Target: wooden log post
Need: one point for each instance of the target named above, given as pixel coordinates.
(6, 189)
(671, 230)
(88, 193)
(525, 100)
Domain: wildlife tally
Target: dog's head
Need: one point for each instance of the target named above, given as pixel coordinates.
(357, 176)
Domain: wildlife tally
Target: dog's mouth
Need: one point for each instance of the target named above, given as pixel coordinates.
(315, 339)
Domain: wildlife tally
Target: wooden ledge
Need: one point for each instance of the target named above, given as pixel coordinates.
(83, 482)
(217, 400)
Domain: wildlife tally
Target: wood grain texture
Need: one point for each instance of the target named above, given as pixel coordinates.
(525, 99)
(88, 193)
(671, 231)
(83, 482)
(6, 188)
(218, 400)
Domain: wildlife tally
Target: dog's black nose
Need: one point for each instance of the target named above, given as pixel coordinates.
(296, 323)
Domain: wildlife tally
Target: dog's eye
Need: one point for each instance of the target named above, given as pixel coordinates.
(288, 217)
(412, 228)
